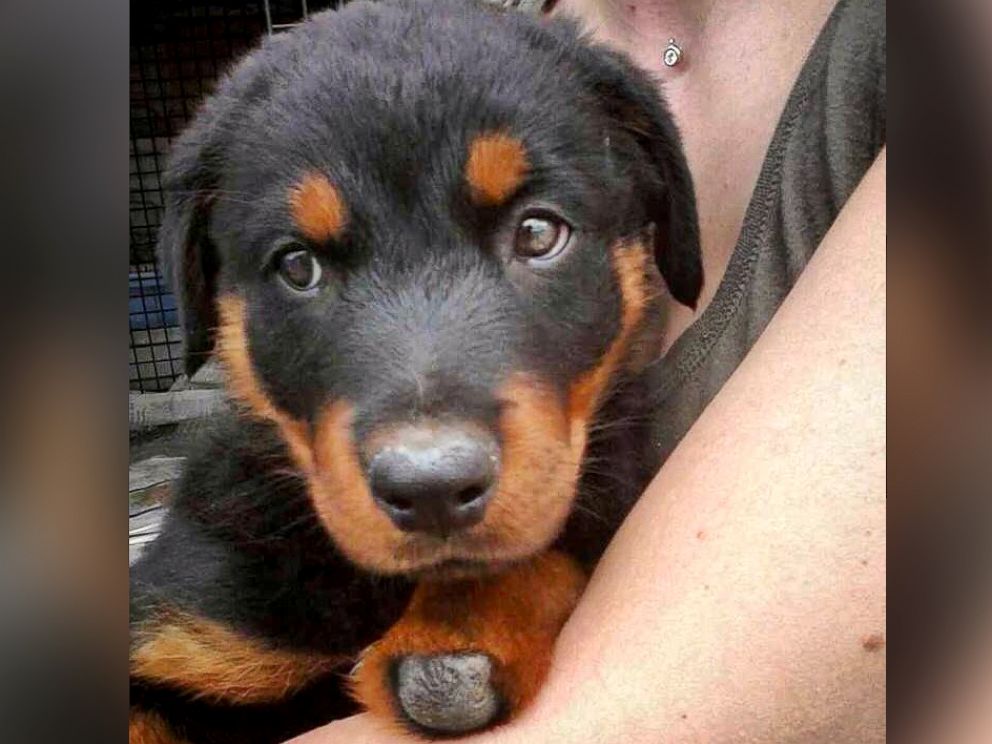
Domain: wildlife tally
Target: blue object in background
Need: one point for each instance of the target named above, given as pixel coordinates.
(150, 303)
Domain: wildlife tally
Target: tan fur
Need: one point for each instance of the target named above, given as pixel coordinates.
(496, 167)
(317, 208)
(539, 471)
(208, 660)
(342, 496)
(244, 385)
(514, 617)
(586, 393)
(328, 459)
(148, 728)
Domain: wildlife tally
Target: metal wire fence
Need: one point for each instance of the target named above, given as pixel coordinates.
(177, 51)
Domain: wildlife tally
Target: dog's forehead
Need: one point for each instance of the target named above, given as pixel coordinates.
(465, 106)
(414, 103)
(434, 128)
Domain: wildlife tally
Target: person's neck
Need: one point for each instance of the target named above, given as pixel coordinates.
(634, 23)
(643, 28)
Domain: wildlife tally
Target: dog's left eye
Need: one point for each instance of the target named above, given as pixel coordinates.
(300, 269)
(541, 237)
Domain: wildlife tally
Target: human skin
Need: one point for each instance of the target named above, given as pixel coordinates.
(743, 600)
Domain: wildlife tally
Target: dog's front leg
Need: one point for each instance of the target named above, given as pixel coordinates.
(471, 653)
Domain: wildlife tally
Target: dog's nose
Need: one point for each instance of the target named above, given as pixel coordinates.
(435, 479)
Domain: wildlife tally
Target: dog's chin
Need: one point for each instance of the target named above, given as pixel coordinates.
(467, 557)
(459, 569)
(446, 563)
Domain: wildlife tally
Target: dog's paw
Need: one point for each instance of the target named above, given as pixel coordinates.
(447, 693)
(469, 655)
(432, 692)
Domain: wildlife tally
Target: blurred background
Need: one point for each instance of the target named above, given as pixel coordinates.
(940, 373)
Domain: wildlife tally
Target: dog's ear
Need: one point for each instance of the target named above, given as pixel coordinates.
(188, 258)
(185, 252)
(632, 101)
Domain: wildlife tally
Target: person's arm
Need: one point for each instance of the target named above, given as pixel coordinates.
(744, 597)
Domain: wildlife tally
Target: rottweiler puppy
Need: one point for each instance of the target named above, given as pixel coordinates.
(428, 241)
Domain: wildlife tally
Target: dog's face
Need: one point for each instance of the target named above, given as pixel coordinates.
(424, 238)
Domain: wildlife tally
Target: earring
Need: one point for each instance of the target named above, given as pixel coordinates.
(673, 54)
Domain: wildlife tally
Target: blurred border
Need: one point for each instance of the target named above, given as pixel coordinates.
(940, 371)
(63, 190)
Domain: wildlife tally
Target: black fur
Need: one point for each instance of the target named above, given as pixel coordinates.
(423, 311)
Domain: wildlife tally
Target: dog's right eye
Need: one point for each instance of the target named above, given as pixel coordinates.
(540, 237)
(299, 268)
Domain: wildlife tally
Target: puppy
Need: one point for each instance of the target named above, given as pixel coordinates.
(428, 241)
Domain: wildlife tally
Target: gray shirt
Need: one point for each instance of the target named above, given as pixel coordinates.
(831, 130)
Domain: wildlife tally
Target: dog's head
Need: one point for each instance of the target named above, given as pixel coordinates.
(423, 238)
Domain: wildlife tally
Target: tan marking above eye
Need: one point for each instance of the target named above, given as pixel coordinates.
(496, 167)
(318, 208)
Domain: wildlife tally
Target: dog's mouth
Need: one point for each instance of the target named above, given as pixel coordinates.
(458, 569)
(465, 556)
